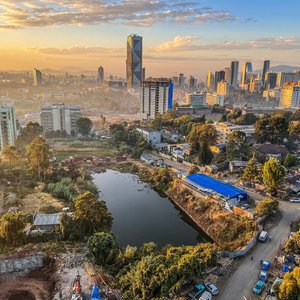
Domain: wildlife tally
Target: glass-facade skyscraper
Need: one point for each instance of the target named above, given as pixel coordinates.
(234, 73)
(247, 70)
(134, 60)
(37, 77)
(266, 69)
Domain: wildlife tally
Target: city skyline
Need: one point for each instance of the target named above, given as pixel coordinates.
(192, 37)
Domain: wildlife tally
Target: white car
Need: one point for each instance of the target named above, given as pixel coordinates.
(206, 296)
(212, 288)
(245, 206)
(295, 200)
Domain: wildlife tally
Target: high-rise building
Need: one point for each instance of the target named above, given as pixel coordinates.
(134, 61)
(156, 97)
(210, 80)
(37, 77)
(290, 95)
(266, 69)
(101, 75)
(234, 73)
(143, 73)
(219, 76)
(192, 82)
(227, 75)
(283, 78)
(60, 117)
(195, 100)
(270, 80)
(215, 99)
(181, 80)
(8, 126)
(255, 84)
(223, 88)
(247, 70)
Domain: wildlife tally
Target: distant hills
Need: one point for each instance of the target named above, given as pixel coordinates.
(281, 68)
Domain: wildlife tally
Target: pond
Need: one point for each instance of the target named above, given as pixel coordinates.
(141, 215)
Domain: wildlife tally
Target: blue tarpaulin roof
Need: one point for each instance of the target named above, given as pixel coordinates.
(217, 186)
(95, 293)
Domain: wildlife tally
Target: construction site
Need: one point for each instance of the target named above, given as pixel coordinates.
(64, 277)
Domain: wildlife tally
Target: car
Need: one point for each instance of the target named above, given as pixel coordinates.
(259, 287)
(245, 206)
(206, 296)
(197, 291)
(295, 200)
(212, 288)
(265, 265)
(263, 275)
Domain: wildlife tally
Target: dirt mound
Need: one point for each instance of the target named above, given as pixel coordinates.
(20, 295)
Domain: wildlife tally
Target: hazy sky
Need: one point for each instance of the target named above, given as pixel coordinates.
(189, 36)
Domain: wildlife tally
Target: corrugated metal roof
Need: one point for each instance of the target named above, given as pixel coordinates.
(46, 219)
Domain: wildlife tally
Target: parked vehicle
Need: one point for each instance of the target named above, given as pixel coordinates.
(263, 236)
(197, 291)
(265, 265)
(206, 296)
(212, 288)
(263, 275)
(295, 200)
(278, 280)
(259, 287)
(245, 206)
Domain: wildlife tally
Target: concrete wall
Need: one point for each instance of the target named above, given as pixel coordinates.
(23, 264)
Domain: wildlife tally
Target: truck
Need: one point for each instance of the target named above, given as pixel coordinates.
(263, 236)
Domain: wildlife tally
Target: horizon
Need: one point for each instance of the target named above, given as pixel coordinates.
(192, 37)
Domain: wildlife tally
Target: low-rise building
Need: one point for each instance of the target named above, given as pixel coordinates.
(290, 95)
(237, 165)
(151, 136)
(218, 148)
(213, 99)
(47, 222)
(267, 150)
(195, 100)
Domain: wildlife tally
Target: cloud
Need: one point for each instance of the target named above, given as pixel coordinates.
(40, 13)
(191, 43)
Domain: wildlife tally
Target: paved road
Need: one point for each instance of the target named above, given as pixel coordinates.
(241, 282)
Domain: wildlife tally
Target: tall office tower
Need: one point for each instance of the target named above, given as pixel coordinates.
(219, 76)
(143, 73)
(266, 69)
(234, 73)
(283, 78)
(222, 88)
(290, 95)
(60, 117)
(247, 70)
(134, 61)
(156, 97)
(192, 82)
(181, 80)
(270, 80)
(255, 84)
(210, 80)
(101, 75)
(37, 77)
(227, 75)
(8, 127)
(175, 80)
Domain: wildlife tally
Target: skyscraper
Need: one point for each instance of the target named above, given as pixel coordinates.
(8, 126)
(219, 76)
(210, 80)
(100, 75)
(266, 69)
(270, 80)
(290, 95)
(156, 97)
(234, 73)
(134, 61)
(181, 80)
(227, 75)
(37, 77)
(247, 70)
(192, 82)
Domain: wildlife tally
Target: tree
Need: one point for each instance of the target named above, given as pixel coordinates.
(38, 155)
(273, 130)
(84, 126)
(266, 206)
(29, 133)
(251, 172)
(91, 214)
(237, 147)
(205, 154)
(246, 119)
(273, 174)
(11, 154)
(12, 227)
(294, 130)
(103, 248)
(290, 160)
(293, 244)
(290, 287)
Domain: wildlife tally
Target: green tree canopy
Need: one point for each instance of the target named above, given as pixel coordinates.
(266, 206)
(103, 248)
(84, 126)
(290, 160)
(251, 172)
(38, 155)
(237, 148)
(11, 154)
(28, 134)
(294, 130)
(290, 287)
(273, 174)
(293, 244)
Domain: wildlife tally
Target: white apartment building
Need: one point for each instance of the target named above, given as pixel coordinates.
(156, 97)
(290, 95)
(224, 128)
(8, 127)
(151, 136)
(214, 98)
(60, 117)
(195, 99)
